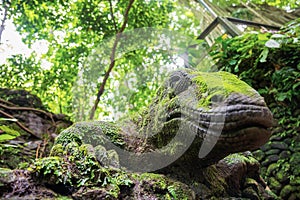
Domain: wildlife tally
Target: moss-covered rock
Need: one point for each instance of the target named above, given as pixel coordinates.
(89, 133)
(78, 173)
(27, 129)
(6, 177)
(250, 193)
(282, 176)
(18, 184)
(243, 178)
(74, 170)
(163, 187)
(286, 191)
(275, 184)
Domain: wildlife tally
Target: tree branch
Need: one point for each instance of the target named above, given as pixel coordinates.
(112, 60)
(113, 16)
(29, 109)
(19, 124)
(6, 102)
(2, 27)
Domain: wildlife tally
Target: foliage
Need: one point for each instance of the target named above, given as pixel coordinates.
(76, 167)
(73, 30)
(21, 76)
(10, 155)
(270, 63)
(275, 68)
(13, 153)
(8, 133)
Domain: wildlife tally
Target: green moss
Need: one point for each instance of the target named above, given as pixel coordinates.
(76, 165)
(13, 155)
(177, 191)
(6, 176)
(163, 187)
(69, 135)
(57, 150)
(274, 184)
(221, 84)
(272, 169)
(250, 182)
(157, 181)
(215, 180)
(72, 149)
(63, 198)
(295, 181)
(93, 133)
(113, 132)
(240, 157)
(286, 191)
(294, 163)
(53, 170)
(74, 168)
(282, 176)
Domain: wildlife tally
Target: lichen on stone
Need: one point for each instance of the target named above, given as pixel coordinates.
(219, 84)
(94, 133)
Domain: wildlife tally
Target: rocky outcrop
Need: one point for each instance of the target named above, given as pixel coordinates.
(27, 128)
(280, 159)
(76, 174)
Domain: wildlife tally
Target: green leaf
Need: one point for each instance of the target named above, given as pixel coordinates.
(232, 62)
(172, 191)
(262, 37)
(278, 36)
(272, 44)
(296, 85)
(262, 91)
(8, 119)
(264, 54)
(281, 96)
(236, 68)
(5, 137)
(9, 131)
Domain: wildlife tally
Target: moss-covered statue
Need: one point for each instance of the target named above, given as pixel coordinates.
(193, 123)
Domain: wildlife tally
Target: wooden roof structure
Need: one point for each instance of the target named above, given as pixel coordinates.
(216, 20)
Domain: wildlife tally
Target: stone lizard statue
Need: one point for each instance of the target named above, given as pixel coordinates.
(196, 118)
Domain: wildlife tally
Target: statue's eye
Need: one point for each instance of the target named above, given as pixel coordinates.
(217, 98)
(179, 82)
(174, 81)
